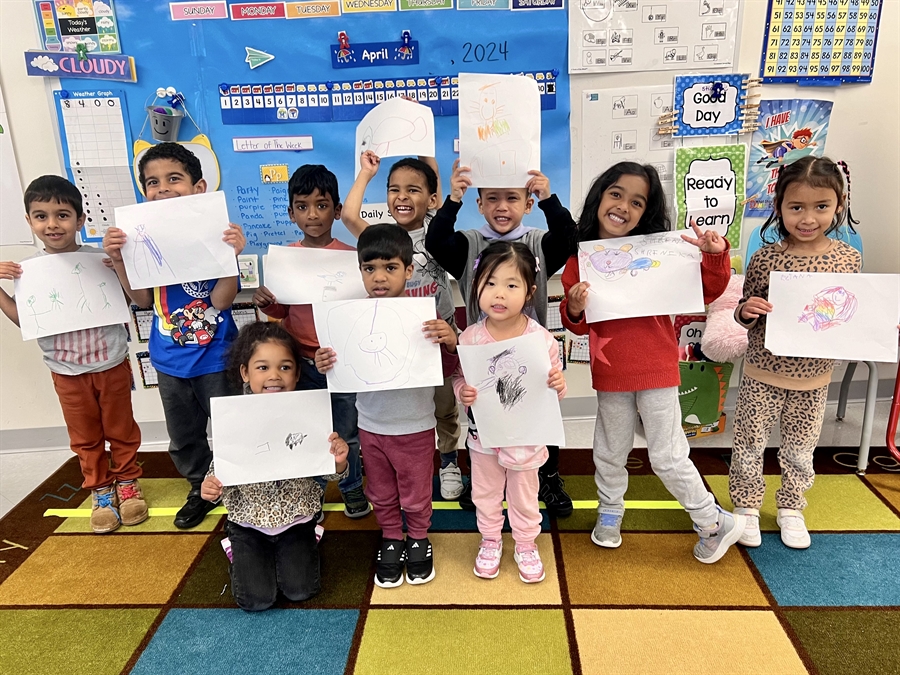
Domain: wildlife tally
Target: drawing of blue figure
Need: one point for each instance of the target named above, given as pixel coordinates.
(150, 254)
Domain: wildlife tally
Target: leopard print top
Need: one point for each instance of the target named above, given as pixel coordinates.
(789, 372)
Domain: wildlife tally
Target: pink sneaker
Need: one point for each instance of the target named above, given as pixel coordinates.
(531, 569)
(487, 564)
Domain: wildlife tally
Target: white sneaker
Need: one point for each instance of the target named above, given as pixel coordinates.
(793, 528)
(752, 537)
(451, 482)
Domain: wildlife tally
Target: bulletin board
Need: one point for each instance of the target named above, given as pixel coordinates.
(200, 58)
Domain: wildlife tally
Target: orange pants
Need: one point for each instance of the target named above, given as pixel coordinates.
(97, 408)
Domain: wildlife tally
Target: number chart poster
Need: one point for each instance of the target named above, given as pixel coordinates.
(273, 46)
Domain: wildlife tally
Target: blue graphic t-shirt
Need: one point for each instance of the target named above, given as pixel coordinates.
(190, 337)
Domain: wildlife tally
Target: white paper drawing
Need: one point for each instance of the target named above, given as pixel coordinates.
(646, 275)
(396, 127)
(379, 344)
(850, 317)
(297, 275)
(173, 241)
(514, 406)
(499, 128)
(293, 443)
(66, 292)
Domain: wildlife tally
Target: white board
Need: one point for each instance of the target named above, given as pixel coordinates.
(379, 344)
(852, 317)
(13, 227)
(173, 241)
(65, 292)
(609, 36)
(499, 128)
(398, 127)
(646, 275)
(514, 406)
(293, 442)
(296, 275)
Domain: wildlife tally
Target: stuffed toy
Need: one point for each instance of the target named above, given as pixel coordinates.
(724, 339)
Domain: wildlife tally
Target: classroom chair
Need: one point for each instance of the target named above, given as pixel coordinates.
(848, 236)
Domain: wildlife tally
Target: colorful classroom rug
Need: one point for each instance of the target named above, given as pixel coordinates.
(153, 600)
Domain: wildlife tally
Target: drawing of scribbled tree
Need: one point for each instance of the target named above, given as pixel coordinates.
(56, 302)
(82, 300)
(106, 303)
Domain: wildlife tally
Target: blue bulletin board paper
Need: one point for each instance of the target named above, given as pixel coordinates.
(198, 57)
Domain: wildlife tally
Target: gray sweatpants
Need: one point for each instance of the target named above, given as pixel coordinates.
(666, 444)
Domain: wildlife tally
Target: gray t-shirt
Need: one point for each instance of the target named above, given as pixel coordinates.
(429, 279)
(396, 412)
(91, 350)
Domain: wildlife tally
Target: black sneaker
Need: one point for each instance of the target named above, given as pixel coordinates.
(553, 493)
(389, 563)
(465, 499)
(355, 503)
(419, 563)
(193, 512)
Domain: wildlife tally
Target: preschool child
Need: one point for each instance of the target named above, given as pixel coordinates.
(396, 427)
(271, 526)
(190, 361)
(502, 286)
(634, 365)
(314, 206)
(503, 210)
(808, 205)
(413, 192)
(90, 371)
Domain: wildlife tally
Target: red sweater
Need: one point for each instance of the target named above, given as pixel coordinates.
(641, 353)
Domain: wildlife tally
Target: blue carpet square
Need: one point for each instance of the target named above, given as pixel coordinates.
(232, 641)
(838, 570)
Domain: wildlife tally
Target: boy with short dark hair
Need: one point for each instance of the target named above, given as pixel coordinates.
(191, 367)
(91, 374)
(314, 206)
(413, 192)
(396, 427)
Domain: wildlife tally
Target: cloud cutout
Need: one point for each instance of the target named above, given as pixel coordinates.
(44, 63)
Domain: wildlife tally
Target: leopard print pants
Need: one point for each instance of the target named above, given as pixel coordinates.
(758, 407)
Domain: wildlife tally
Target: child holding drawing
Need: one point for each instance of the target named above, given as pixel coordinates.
(808, 205)
(396, 427)
(413, 192)
(190, 364)
(502, 285)
(91, 374)
(503, 209)
(271, 526)
(634, 364)
(314, 206)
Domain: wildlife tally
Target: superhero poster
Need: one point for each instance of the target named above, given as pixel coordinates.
(788, 130)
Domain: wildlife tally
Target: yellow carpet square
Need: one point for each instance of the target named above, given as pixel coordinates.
(101, 570)
(463, 641)
(455, 584)
(835, 503)
(158, 493)
(684, 642)
(888, 486)
(655, 569)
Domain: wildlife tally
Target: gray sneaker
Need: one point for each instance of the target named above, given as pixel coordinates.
(715, 543)
(606, 531)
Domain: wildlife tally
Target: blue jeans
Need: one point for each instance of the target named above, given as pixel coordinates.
(344, 419)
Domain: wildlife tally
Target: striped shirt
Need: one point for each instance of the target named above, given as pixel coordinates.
(84, 351)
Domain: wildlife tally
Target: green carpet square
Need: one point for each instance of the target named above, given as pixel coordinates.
(640, 488)
(450, 642)
(40, 641)
(841, 503)
(158, 492)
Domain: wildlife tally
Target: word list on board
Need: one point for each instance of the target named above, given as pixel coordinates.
(262, 214)
(96, 144)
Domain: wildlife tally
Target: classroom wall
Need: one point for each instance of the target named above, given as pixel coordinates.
(864, 131)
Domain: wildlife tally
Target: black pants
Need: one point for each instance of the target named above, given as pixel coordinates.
(262, 564)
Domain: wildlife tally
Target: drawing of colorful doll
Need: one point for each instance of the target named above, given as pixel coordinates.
(192, 325)
(830, 307)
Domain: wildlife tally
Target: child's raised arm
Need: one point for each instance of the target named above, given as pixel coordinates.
(449, 248)
(9, 270)
(558, 244)
(350, 215)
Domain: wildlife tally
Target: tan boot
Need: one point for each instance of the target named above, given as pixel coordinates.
(132, 507)
(105, 512)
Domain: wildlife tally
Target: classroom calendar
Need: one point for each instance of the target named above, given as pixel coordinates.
(820, 41)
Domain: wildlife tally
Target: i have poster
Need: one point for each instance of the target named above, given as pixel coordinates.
(788, 130)
(709, 187)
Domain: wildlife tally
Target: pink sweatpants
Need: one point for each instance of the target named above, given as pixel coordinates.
(399, 470)
(488, 481)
